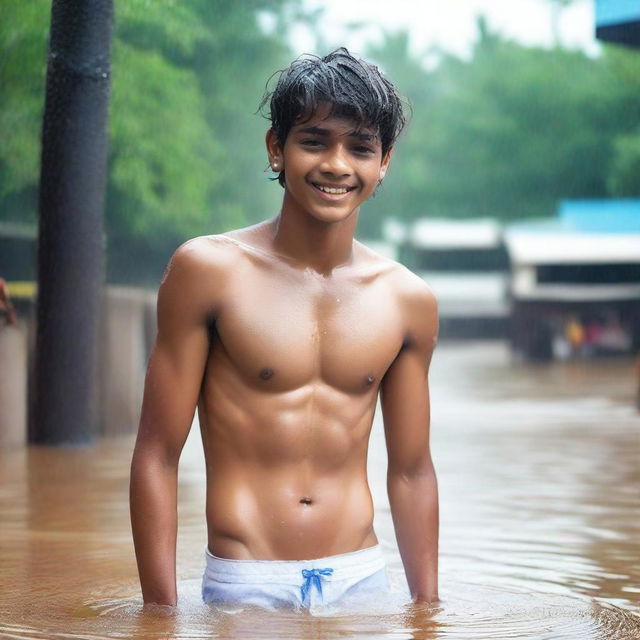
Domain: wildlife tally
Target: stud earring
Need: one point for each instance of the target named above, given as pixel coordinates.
(275, 165)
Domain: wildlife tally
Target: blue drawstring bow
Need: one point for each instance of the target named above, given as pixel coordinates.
(312, 576)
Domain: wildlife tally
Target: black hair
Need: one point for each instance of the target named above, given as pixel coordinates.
(352, 88)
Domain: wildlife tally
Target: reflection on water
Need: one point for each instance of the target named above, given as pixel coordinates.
(540, 491)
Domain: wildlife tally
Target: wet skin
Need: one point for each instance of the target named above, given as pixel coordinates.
(287, 404)
(283, 334)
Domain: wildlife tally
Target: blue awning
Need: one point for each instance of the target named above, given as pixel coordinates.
(600, 216)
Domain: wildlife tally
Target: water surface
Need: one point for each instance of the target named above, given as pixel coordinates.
(539, 472)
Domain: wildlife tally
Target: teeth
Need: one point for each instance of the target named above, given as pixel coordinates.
(330, 190)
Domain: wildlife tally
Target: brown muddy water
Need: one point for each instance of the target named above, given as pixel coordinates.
(539, 471)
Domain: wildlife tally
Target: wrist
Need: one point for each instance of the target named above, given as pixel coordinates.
(159, 598)
(426, 598)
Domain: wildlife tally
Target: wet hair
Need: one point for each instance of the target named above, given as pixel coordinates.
(350, 87)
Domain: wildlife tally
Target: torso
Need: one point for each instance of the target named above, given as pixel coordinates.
(288, 398)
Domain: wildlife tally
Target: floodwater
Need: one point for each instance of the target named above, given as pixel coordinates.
(539, 471)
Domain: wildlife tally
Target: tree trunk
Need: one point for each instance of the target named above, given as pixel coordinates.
(71, 246)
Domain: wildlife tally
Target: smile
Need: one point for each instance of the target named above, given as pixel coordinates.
(332, 190)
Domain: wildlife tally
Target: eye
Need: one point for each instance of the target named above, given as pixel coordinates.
(310, 142)
(362, 149)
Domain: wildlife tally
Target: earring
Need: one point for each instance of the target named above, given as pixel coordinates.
(275, 165)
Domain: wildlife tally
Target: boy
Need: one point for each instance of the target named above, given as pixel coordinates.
(282, 334)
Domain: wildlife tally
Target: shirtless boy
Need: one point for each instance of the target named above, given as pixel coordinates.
(283, 334)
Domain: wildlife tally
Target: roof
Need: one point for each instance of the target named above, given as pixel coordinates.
(549, 247)
(585, 231)
(616, 11)
(601, 216)
(478, 233)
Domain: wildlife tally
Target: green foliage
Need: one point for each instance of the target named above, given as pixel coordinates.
(24, 30)
(509, 132)
(624, 175)
(506, 133)
(232, 67)
(161, 149)
(186, 148)
(623, 67)
(168, 26)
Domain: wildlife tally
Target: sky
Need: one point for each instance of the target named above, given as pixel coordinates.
(448, 24)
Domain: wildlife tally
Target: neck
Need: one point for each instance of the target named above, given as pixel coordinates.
(318, 245)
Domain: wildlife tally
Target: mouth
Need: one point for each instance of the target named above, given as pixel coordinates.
(333, 190)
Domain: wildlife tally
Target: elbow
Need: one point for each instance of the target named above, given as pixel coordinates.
(152, 478)
(416, 472)
(150, 455)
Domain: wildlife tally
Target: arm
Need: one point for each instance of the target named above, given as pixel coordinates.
(411, 478)
(172, 386)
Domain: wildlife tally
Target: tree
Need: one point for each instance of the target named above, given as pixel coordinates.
(186, 153)
(623, 67)
(509, 132)
(187, 146)
(23, 42)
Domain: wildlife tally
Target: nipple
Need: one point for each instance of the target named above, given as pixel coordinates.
(266, 373)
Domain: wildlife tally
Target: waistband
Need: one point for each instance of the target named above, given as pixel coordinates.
(355, 564)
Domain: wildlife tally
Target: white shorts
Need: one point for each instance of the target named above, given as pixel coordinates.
(340, 579)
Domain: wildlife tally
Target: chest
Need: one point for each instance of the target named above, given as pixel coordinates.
(282, 333)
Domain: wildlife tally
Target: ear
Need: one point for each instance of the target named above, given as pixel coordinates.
(274, 151)
(384, 164)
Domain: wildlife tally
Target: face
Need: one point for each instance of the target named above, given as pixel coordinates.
(331, 167)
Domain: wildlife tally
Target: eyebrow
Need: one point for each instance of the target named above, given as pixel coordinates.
(354, 133)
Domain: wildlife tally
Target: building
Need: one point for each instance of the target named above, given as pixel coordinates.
(618, 21)
(575, 280)
(465, 263)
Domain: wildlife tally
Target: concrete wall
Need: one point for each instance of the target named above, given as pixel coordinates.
(127, 335)
(13, 383)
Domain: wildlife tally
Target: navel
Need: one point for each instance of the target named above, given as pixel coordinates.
(266, 373)
(306, 501)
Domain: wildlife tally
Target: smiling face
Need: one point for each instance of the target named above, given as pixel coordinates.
(331, 165)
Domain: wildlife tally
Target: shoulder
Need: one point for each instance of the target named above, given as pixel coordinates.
(210, 260)
(419, 308)
(224, 253)
(415, 294)
(197, 274)
(411, 291)
(416, 303)
(202, 254)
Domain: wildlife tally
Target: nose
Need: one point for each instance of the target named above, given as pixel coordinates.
(335, 162)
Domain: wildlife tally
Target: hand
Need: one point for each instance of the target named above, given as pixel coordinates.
(422, 618)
